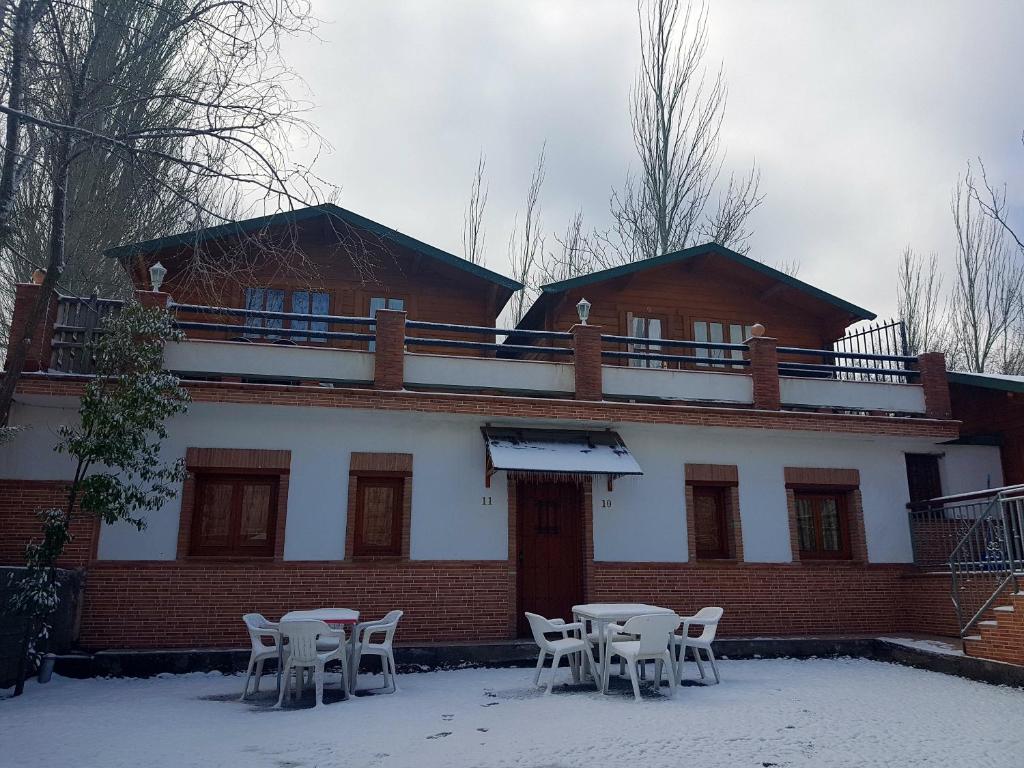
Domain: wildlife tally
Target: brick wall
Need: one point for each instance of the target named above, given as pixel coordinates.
(19, 502)
(188, 604)
(529, 408)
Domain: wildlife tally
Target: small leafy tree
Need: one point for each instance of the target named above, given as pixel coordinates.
(119, 474)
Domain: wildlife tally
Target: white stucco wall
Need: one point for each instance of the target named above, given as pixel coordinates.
(642, 519)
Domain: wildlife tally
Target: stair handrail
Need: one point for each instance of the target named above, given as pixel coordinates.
(960, 565)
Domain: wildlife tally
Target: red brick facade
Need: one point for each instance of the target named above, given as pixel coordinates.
(19, 524)
(764, 370)
(389, 356)
(586, 344)
(936, 385)
(529, 408)
(195, 602)
(25, 297)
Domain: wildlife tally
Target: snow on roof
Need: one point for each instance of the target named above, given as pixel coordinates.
(1001, 381)
(559, 451)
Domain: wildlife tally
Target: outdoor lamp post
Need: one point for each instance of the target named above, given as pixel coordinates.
(583, 310)
(157, 273)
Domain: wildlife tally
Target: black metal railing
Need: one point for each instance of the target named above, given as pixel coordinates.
(884, 342)
(883, 368)
(271, 325)
(484, 346)
(638, 349)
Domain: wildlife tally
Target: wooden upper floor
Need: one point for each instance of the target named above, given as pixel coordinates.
(322, 260)
(706, 293)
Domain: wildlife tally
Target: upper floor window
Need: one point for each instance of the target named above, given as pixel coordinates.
(264, 300)
(310, 303)
(645, 327)
(384, 302)
(721, 333)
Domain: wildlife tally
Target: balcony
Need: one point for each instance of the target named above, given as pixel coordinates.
(389, 351)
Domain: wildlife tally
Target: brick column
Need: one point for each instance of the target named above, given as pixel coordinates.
(389, 357)
(153, 299)
(25, 297)
(586, 344)
(935, 384)
(764, 370)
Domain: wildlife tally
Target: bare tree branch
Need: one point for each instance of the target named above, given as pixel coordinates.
(473, 235)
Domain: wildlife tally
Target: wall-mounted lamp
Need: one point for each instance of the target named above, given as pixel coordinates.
(38, 275)
(757, 330)
(157, 273)
(583, 310)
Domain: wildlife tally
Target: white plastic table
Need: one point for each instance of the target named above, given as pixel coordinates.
(335, 617)
(600, 615)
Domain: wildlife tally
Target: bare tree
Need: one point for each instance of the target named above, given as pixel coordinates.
(526, 245)
(676, 114)
(919, 291)
(991, 198)
(217, 107)
(574, 257)
(473, 235)
(728, 224)
(985, 300)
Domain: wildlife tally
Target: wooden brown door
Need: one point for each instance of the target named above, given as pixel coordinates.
(550, 573)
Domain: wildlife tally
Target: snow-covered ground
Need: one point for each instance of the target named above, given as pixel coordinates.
(840, 712)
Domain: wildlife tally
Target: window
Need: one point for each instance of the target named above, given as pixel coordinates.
(378, 525)
(721, 333)
(312, 303)
(923, 477)
(380, 302)
(644, 328)
(822, 529)
(264, 300)
(711, 531)
(235, 515)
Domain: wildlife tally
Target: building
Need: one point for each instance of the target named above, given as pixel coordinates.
(367, 437)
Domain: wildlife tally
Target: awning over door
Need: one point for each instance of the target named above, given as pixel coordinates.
(558, 452)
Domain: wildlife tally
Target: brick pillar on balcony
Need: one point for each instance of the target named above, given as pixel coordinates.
(586, 343)
(153, 299)
(935, 383)
(40, 338)
(389, 357)
(764, 370)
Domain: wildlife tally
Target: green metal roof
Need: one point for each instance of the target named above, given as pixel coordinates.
(700, 250)
(987, 381)
(303, 214)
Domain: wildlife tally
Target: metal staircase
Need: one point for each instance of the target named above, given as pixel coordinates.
(988, 561)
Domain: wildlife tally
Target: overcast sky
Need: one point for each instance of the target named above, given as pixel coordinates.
(861, 115)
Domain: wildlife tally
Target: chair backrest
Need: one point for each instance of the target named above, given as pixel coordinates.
(254, 622)
(539, 626)
(302, 636)
(709, 617)
(653, 629)
(387, 625)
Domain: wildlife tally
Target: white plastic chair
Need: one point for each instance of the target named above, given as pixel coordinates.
(259, 628)
(363, 645)
(559, 647)
(707, 618)
(303, 653)
(652, 632)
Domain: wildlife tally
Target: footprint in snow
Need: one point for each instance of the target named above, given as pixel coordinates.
(483, 730)
(491, 704)
(447, 717)
(440, 735)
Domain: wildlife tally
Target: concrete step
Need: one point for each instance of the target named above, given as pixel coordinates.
(988, 623)
(1004, 608)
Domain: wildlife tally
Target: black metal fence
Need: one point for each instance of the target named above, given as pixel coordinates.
(884, 343)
